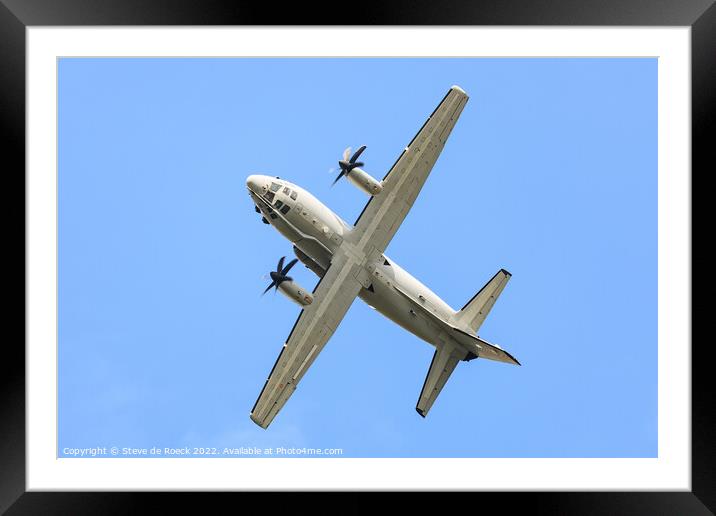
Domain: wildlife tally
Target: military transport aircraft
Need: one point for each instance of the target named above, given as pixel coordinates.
(350, 262)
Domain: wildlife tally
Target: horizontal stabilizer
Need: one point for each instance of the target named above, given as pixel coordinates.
(444, 361)
(487, 350)
(475, 346)
(473, 314)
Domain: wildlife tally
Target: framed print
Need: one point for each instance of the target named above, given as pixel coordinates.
(160, 154)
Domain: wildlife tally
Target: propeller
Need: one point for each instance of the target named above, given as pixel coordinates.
(347, 165)
(279, 275)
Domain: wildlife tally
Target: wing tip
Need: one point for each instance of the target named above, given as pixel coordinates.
(514, 360)
(506, 272)
(421, 412)
(257, 421)
(457, 88)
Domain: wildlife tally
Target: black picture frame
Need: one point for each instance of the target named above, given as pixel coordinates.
(16, 15)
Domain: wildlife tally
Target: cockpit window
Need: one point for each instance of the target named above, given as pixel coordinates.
(275, 187)
(294, 195)
(269, 196)
(287, 190)
(285, 209)
(278, 204)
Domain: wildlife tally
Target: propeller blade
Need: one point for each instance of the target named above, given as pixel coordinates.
(347, 165)
(339, 176)
(279, 275)
(358, 153)
(288, 267)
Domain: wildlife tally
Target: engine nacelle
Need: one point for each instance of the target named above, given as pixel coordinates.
(296, 293)
(365, 182)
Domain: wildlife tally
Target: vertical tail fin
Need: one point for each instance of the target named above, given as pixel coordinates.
(473, 314)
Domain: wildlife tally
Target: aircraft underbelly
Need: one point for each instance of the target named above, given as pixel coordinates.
(386, 300)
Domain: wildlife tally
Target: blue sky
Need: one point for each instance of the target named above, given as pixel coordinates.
(551, 173)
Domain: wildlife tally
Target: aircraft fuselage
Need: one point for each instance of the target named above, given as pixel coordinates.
(317, 232)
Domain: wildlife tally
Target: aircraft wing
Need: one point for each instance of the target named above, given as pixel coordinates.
(333, 295)
(384, 213)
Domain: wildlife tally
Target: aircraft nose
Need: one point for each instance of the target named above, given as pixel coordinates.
(254, 183)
